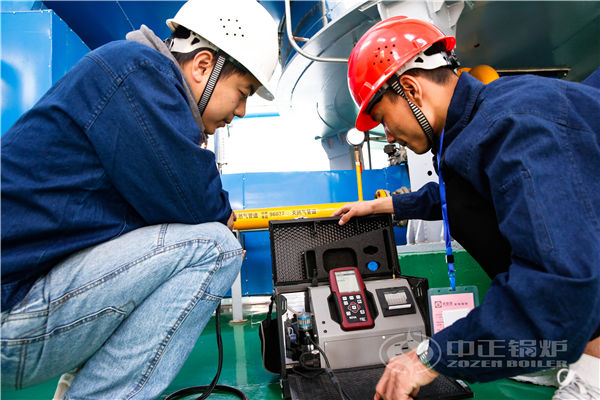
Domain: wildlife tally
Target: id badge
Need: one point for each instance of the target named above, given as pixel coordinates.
(447, 306)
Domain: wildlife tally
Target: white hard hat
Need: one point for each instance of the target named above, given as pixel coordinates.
(241, 28)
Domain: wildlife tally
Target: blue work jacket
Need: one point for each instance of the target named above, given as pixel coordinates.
(111, 147)
(530, 148)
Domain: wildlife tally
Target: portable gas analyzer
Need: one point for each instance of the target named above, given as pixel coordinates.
(343, 308)
(350, 300)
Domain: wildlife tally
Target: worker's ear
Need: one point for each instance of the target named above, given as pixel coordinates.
(202, 65)
(412, 89)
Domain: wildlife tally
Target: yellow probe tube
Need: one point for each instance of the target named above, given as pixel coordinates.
(258, 218)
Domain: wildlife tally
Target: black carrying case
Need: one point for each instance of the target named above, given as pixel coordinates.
(302, 253)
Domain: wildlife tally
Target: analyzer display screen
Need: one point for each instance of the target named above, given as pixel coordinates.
(346, 281)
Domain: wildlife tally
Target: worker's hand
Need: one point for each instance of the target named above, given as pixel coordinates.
(403, 377)
(350, 210)
(358, 209)
(232, 219)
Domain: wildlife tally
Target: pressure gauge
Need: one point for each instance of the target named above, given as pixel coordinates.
(355, 137)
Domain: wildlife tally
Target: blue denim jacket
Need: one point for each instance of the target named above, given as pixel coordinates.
(531, 147)
(111, 147)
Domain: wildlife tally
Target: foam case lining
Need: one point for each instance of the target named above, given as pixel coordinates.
(303, 251)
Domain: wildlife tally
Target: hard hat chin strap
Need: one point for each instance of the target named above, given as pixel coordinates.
(212, 82)
(421, 119)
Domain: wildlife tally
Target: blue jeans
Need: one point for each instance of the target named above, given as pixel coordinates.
(128, 312)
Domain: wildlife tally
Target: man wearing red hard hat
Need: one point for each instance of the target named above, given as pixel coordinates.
(531, 221)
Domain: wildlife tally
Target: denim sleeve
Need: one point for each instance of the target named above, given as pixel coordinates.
(147, 141)
(543, 311)
(423, 204)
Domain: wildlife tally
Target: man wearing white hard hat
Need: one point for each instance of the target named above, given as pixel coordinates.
(115, 241)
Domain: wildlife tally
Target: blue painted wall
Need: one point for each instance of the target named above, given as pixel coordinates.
(100, 22)
(38, 48)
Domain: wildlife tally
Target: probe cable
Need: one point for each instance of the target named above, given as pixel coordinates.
(206, 390)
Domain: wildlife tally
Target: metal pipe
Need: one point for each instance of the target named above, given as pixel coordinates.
(288, 26)
(324, 10)
(236, 293)
(564, 71)
(259, 218)
(358, 168)
(369, 148)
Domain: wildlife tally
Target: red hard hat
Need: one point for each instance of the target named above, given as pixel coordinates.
(382, 51)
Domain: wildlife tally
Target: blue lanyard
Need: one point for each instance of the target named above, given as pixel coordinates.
(449, 255)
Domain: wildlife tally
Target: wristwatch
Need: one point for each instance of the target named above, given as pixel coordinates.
(423, 353)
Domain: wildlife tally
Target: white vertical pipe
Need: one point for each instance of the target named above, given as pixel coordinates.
(236, 299)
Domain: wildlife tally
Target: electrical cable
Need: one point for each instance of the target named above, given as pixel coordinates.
(206, 390)
(309, 371)
(307, 367)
